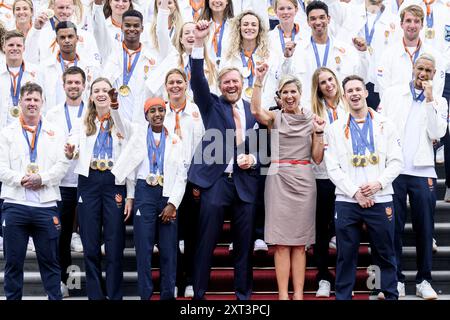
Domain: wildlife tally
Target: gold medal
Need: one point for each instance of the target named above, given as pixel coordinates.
(246, 72)
(102, 165)
(337, 59)
(249, 92)
(32, 168)
(429, 33)
(356, 160)
(373, 158)
(94, 164)
(161, 180)
(152, 180)
(370, 50)
(14, 111)
(110, 164)
(271, 11)
(124, 90)
(363, 162)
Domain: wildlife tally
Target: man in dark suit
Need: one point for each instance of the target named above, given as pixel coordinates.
(226, 170)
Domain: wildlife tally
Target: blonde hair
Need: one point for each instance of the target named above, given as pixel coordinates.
(28, 2)
(426, 56)
(226, 70)
(176, 19)
(317, 105)
(210, 70)
(415, 10)
(91, 114)
(207, 12)
(78, 9)
(262, 45)
(294, 2)
(288, 79)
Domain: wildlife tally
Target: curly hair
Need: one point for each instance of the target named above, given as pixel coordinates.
(262, 42)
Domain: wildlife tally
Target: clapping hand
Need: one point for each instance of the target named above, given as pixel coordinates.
(289, 49)
(360, 44)
(318, 124)
(261, 71)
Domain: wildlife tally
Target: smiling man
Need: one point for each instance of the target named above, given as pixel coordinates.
(67, 56)
(363, 158)
(32, 163)
(228, 179)
(41, 42)
(421, 117)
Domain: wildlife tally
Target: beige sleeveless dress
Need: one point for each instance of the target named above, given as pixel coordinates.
(290, 193)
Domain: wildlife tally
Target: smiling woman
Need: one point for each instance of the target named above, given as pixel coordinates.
(23, 13)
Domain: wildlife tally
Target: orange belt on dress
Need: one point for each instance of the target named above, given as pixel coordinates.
(303, 162)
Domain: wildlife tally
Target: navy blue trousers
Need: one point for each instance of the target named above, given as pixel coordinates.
(67, 208)
(149, 204)
(422, 198)
(380, 225)
(101, 205)
(19, 223)
(220, 197)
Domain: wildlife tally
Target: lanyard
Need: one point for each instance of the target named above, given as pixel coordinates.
(316, 53)
(369, 35)
(281, 34)
(430, 20)
(302, 4)
(32, 147)
(156, 152)
(66, 110)
(331, 111)
(359, 136)
(103, 138)
(218, 44)
(52, 23)
(127, 69)
(250, 65)
(417, 98)
(415, 54)
(15, 85)
(63, 65)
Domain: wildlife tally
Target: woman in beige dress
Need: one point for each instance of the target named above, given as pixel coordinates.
(290, 194)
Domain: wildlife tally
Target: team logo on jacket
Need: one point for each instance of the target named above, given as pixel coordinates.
(389, 213)
(119, 200)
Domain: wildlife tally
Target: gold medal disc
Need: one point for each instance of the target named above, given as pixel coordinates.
(429, 33)
(161, 180)
(373, 158)
(356, 160)
(249, 92)
(102, 165)
(14, 111)
(124, 90)
(110, 164)
(32, 168)
(363, 162)
(271, 11)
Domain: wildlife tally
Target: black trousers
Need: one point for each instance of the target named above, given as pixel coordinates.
(67, 208)
(324, 227)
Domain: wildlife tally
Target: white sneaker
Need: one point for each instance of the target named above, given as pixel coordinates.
(155, 249)
(30, 246)
(381, 296)
(447, 195)
(324, 289)
(175, 292)
(181, 246)
(401, 289)
(425, 291)
(260, 245)
(1, 243)
(189, 292)
(435, 247)
(440, 155)
(64, 290)
(230, 247)
(103, 249)
(332, 243)
(75, 243)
